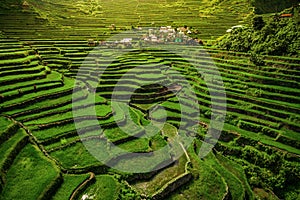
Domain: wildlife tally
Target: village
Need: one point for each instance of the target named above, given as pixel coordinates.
(161, 35)
(167, 34)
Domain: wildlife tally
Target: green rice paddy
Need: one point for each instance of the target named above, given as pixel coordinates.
(44, 82)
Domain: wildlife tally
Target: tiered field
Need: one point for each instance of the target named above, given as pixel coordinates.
(52, 81)
(260, 132)
(91, 19)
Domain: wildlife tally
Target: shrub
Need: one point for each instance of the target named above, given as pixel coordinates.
(258, 23)
(270, 6)
(256, 59)
(277, 37)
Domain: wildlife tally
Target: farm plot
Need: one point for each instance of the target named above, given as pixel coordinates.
(260, 131)
(73, 20)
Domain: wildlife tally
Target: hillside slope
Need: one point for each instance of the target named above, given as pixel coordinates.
(42, 143)
(91, 19)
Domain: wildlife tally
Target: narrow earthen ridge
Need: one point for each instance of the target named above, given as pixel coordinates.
(76, 192)
(176, 182)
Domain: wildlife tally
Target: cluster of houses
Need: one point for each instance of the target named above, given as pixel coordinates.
(126, 42)
(167, 34)
(164, 34)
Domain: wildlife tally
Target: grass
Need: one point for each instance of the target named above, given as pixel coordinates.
(115, 134)
(76, 20)
(236, 170)
(137, 145)
(63, 141)
(256, 96)
(54, 76)
(261, 138)
(17, 61)
(142, 163)
(75, 156)
(102, 111)
(29, 175)
(43, 114)
(71, 182)
(169, 130)
(207, 183)
(9, 146)
(235, 186)
(29, 97)
(53, 105)
(263, 194)
(67, 138)
(105, 187)
(52, 132)
(157, 142)
(31, 89)
(4, 123)
(149, 187)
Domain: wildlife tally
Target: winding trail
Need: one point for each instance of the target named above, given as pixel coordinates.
(77, 190)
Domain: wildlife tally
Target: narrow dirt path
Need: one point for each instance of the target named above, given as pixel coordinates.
(77, 190)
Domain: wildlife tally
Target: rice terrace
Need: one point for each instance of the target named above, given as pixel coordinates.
(149, 99)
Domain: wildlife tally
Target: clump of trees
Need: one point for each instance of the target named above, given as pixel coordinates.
(272, 6)
(276, 36)
(269, 169)
(256, 59)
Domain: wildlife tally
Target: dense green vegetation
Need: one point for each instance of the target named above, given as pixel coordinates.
(272, 6)
(43, 155)
(79, 20)
(255, 122)
(105, 187)
(274, 36)
(70, 182)
(25, 175)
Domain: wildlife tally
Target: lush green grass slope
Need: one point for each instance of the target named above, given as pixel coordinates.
(257, 154)
(24, 177)
(72, 19)
(260, 133)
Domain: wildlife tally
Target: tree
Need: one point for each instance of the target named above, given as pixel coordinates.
(256, 60)
(258, 23)
(271, 6)
(273, 37)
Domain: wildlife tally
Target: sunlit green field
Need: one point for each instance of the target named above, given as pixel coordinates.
(47, 73)
(92, 19)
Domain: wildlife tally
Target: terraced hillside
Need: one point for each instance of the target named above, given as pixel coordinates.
(259, 144)
(71, 19)
(119, 121)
